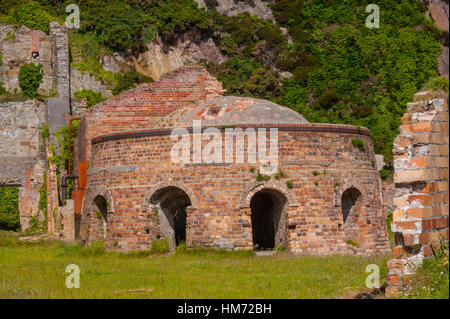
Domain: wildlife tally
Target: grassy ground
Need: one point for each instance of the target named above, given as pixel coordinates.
(432, 280)
(38, 271)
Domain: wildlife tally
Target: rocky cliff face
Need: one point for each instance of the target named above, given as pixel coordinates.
(439, 11)
(161, 58)
(257, 8)
(190, 48)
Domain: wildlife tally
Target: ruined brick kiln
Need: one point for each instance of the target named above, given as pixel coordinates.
(323, 198)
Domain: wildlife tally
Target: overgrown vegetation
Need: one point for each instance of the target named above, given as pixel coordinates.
(337, 78)
(343, 72)
(27, 13)
(432, 279)
(389, 218)
(91, 97)
(30, 77)
(9, 208)
(60, 156)
(160, 246)
(359, 143)
(128, 81)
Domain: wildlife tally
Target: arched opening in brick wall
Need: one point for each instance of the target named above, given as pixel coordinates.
(351, 210)
(171, 203)
(268, 216)
(9, 209)
(97, 221)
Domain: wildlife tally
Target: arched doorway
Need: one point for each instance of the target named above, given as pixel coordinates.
(171, 203)
(96, 222)
(351, 210)
(268, 216)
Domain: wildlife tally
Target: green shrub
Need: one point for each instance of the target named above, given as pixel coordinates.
(432, 279)
(92, 98)
(181, 248)
(389, 218)
(359, 143)
(30, 14)
(30, 77)
(128, 81)
(353, 243)
(9, 208)
(160, 246)
(2, 88)
(289, 184)
(386, 174)
(441, 83)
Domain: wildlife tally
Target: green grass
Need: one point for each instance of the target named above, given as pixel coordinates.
(38, 271)
(432, 279)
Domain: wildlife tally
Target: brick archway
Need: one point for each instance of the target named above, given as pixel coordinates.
(337, 198)
(88, 204)
(147, 200)
(255, 187)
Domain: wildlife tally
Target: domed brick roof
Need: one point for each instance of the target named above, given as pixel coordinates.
(232, 110)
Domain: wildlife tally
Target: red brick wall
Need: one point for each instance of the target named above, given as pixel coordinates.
(142, 107)
(128, 171)
(28, 199)
(420, 218)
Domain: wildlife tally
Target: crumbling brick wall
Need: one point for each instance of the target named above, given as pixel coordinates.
(22, 159)
(421, 212)
(18, 49)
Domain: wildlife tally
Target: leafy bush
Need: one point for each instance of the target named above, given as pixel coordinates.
(128, 81)
(432, 280)
(359, 143)
(386, 174)
(353, 243)
(389, 218)
(30, 77)
(2, 88)
(9, 208)
(160, 246)
(30, 14)
(435, 84)
(92, 98)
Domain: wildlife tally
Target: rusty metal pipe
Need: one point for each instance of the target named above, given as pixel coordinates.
(64, 185)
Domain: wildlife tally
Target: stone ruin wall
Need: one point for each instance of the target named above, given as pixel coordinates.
(16, 48)
(23, 154)
(421, 208)
(22, 161)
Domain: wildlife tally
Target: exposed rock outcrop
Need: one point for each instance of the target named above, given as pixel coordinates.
(439, 11)
(257, 8)
(160, 58)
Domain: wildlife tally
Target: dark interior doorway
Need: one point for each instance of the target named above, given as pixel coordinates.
(268, 215)
(180, 225)
(172, 202)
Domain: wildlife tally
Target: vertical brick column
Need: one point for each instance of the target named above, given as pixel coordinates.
(421, 178)
(28, 199)
(52, 194)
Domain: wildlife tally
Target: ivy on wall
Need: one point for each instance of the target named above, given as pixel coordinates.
(9, 208)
